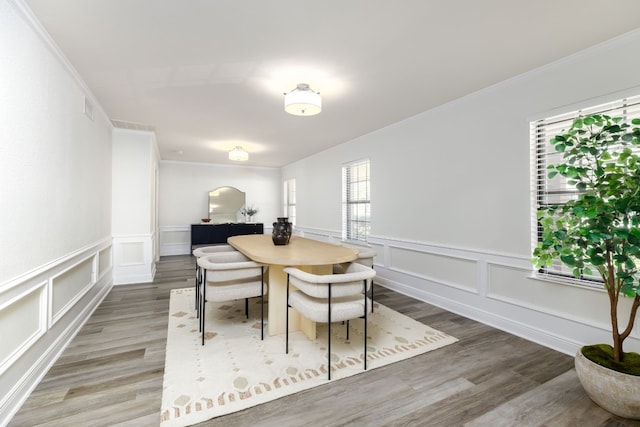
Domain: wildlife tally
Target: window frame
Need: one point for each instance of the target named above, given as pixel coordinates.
(356, 201)
(289, 200)
(545, 191)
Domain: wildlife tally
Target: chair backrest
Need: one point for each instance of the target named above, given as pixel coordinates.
(351, 282)
(225, 266)
(365, 254)
(206, 250)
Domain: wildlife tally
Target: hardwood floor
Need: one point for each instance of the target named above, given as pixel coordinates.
(111, 374)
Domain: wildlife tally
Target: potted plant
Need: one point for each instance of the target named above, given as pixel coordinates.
(249, 211)
(598, 234)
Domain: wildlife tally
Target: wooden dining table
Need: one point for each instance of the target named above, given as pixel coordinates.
(309, 255)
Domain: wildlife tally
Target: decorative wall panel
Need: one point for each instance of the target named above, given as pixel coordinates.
(23, 321)
(445, 269)
(496, 289)
(69, 286)
(104, 261)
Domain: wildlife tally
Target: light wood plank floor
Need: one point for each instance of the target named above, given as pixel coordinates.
(111, 374)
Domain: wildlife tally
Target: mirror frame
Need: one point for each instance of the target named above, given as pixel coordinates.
(225, 204)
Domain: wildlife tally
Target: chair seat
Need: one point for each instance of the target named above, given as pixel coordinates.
(342, 308)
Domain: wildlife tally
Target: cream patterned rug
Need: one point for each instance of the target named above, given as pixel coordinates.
(235, 370)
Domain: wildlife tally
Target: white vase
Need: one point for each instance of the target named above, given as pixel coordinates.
(614, 391)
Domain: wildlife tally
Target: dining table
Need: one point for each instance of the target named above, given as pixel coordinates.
(309, 255)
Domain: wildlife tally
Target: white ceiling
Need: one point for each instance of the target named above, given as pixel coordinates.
(208, 75)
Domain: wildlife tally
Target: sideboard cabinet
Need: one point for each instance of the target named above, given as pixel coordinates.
(210, 234)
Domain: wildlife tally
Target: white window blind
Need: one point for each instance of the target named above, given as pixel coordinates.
(290, 200)
(557, 191)
(356, 204)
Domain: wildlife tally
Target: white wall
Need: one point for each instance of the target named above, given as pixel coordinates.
(450, 199)
(184, 197)
(55, 169)
(135, 160)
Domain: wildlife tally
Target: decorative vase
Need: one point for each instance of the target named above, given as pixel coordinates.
(614, 391)
(281, 231)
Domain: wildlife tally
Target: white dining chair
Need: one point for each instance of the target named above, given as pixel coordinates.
(330, 298)
(229, 276)
(200, 252)
(365, 257)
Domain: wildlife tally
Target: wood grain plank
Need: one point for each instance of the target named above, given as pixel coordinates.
(111, 374)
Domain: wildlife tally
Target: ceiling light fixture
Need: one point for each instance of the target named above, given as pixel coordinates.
(238, 154)
(302, 101)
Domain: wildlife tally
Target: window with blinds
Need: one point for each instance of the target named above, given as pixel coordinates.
(557, 190)
(290, 200)
(356, 205)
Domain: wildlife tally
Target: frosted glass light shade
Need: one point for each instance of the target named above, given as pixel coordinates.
(302, 101)
(238, 154)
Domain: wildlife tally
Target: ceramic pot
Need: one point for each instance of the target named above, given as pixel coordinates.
(614, 391)
(281, 231)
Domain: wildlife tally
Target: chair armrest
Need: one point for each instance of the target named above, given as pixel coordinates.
(208, 250)
(227, 261)
(354, 272)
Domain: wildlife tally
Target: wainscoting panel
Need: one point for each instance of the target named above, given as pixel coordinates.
(318, 235)
(41, 311)
(131, 253)
(556, 299)
(379, 258)
(493, 288)
(69, 286)
(175, 240)
(29, 312)
(449, 270)
(133, 259)
(104, 262)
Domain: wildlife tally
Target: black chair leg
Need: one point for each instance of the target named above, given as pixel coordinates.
(365, 342)
(372, 285)
(202, 321)
(365, 325)
(262, 306)
(329, 350)
(203, 301)
(286, 339)
(329, 337)
(246, 307)
(197, 287)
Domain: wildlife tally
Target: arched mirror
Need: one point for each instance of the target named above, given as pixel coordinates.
(225, 204)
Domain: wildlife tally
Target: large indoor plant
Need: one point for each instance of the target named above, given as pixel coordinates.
(597, 233)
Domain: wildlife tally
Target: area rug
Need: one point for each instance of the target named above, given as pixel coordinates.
(235, 370)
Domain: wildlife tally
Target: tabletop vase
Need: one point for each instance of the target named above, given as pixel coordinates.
(281, 231)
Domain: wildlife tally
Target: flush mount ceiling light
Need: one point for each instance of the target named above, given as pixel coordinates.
(238, 154)
(302, 101)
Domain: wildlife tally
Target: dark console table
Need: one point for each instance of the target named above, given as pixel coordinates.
(210, 234)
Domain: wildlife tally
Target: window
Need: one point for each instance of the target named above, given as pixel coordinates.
(290, 200)
(356, 204)
(557, 190)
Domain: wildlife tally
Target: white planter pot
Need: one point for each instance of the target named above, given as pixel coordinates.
(614, 391)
